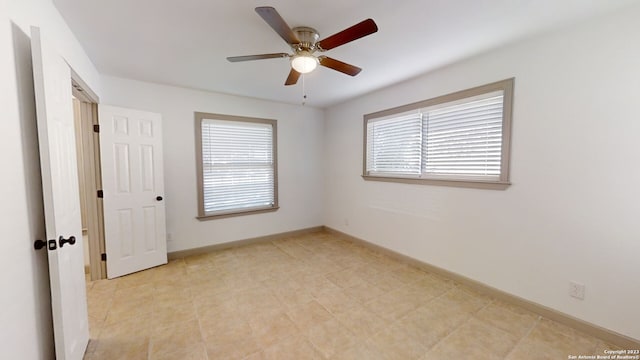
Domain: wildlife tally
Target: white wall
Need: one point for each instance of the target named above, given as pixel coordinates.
(572, 211)
(25, 318)
(300, 137)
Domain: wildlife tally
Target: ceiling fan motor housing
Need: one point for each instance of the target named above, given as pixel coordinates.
(308, 38)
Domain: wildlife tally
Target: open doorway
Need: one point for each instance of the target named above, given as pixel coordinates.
(122, 164)
(85, 109)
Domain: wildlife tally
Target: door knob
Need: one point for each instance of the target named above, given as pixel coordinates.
(39, 244)
(71, 240)
(159, 198)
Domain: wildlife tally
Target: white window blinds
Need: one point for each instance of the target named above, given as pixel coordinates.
(460, 138)
(395, 145)
(464, 139)
(237, 165)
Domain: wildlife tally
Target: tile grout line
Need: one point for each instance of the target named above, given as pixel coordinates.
(535, 323)
(471, 316)
(206, 350)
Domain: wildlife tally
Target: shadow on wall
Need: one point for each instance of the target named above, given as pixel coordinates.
(33, 180)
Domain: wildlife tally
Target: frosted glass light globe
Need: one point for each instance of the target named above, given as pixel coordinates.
(304, 62)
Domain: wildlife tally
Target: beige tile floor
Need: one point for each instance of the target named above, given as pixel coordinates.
(311, 297)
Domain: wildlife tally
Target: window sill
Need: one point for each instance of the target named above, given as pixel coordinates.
(233, 213)
(477, 184)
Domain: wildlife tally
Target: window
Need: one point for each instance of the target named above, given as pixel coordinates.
(460, 139)
(237, 165)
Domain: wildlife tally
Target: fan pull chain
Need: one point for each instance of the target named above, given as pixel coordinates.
(304, 92)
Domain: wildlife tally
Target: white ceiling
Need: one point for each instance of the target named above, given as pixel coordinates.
(185, 43)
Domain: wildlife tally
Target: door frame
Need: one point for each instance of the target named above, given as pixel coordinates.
(92, 174)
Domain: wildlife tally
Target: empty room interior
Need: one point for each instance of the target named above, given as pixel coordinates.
(320, 180)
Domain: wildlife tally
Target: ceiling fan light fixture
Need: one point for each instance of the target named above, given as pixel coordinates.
(303, 41)
(304, 62)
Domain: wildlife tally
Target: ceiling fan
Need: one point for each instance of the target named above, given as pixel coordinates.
(304, 43)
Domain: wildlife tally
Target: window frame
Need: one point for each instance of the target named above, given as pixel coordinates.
(202, 215)
(502, 183)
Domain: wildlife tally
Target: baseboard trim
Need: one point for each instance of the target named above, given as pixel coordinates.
(260, 239)
(612, 337)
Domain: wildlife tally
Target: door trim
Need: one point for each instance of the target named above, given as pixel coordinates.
(92, 174)
(81, 90)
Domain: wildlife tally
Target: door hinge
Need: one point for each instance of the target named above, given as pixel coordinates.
(100, 194)
(103, 257)
(96, 128)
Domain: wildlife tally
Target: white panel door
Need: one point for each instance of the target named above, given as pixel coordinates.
(56, 137)
(133, 186)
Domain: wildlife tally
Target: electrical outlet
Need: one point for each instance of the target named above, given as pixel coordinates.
(346, 222)
(576, 290)
(169, 236)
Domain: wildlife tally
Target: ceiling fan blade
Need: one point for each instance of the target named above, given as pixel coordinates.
(256, 57)
(293, 77)
(361, 29)
(339, 66)
(277, 23)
